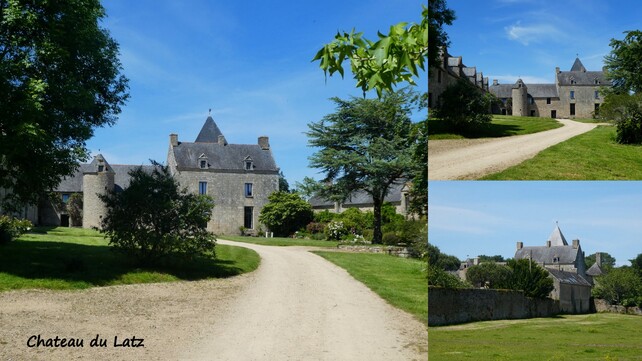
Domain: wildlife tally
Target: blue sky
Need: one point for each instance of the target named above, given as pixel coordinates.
(507, 39)
(467, 219)
(249, 61)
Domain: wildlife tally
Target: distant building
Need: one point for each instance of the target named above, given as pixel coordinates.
(575, 94)
(566, 266)
(239, 177)
(397, 196)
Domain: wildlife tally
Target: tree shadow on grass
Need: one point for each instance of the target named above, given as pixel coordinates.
(96, 265)
(491, 130)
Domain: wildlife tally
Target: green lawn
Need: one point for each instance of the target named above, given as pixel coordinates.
(281, 241)
(70, 258)
(590, 156)
(402, 282)
(500, 126)
(572, 338)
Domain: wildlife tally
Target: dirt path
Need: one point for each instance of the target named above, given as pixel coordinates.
(474, 158)
(296, 306)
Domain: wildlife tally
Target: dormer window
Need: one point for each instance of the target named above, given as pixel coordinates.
(597, 82)
(101, 168)
(202, 161)
(248, 163)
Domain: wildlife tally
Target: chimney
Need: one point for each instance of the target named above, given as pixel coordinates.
(520, 245)
(557, 70)
(221, 140)
(548, 244)
(495, 82)
(173, 140)
(598, 259)
(264, 143)
(576, 243)
(475, 261)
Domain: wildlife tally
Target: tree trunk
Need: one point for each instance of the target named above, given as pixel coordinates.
(377, 235)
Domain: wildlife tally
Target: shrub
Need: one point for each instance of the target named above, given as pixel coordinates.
(390, 238)
(286, 213)
(325, 216)
(356, 221)
(315, 227)
(153, 219)
(465, 106)
(74, 208)
(11, 228)
(335, 231)
(440, 278)
(497, 276)
(530, 278)
(621, 286)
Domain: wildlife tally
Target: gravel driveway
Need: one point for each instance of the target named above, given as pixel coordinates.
(296, 306)
(474, 158)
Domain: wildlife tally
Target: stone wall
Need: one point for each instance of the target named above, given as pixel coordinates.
(603, 306)
(584, 100)
(93, 208)
(391, 250)
(453, 306)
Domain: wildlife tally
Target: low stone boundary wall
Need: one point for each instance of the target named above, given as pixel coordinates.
(453, 306)
(603, 306)
(392, 250)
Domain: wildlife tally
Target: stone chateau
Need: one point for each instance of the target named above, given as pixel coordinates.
(574, 94)
(239, 177)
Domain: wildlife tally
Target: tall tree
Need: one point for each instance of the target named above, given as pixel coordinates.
(438, 15)
(365, 145)
(624, 63)
(607, 260)
(395, 57)
(60, 78)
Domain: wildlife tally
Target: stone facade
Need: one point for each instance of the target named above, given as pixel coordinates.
(575, 94)
(397, 196)
(239, 177)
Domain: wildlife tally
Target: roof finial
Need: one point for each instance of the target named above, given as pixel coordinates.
(577, 55)
(210, 112)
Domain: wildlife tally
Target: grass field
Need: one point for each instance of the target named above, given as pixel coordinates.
(500, 126)
(71, 258)
(577, 337)
(591, 156)
(281, 241)
(402, 282)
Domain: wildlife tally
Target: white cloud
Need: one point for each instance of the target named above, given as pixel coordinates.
(533, 33)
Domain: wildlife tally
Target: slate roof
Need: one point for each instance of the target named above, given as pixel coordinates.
(557, 238)
(547, 255)
(361, 198)
(502, 90)
(228, 157)
(74, 183)
(578, 66)
(595, 270)
(209, 133)
(534, 90)
(582, 78)
(570, 278)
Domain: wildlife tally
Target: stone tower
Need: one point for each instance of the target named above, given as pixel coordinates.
(520, 99)
(98, 178)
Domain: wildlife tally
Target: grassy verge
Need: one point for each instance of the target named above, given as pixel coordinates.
(68, 258)
(280, 241)
(500, 126)
(576, 337)
(401, 282)
(591, 156)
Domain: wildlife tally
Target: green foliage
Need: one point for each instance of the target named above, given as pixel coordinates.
(495, 258)
(286, 213)
(418, 195)
(11, 228)
(620, 286)
(464, 106)
(393, 58)
(60, 78)
(490, 273)
(608, 261)
(391, 239)
(626, 111)
(442, 261)
(438, 16)
(623, 63)
(530, 278)
(636, 263)
(153, 219)
(325, 216)
(335, 230)
(440, 278)
(74, 208)
(284, 186)
(365, 145)
(357, 221)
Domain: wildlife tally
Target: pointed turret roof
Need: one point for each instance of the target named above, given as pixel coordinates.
(209, 133)
(557, 238)
(99, 164)
(578, 66)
